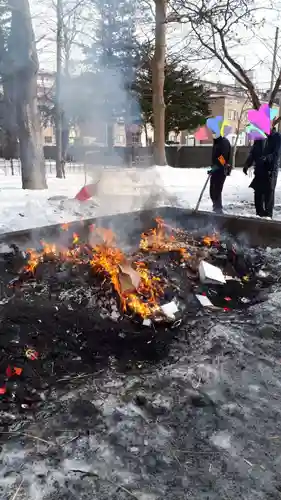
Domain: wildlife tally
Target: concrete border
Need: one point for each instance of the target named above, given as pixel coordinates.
(251, 231)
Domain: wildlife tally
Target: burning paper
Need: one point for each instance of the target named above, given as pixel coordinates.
(162, 240)
(129, 279)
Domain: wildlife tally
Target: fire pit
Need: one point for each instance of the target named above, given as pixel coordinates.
(71, 307)
(130, 368)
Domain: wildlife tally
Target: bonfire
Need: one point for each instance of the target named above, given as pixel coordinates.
(76, 302)
(140, 289)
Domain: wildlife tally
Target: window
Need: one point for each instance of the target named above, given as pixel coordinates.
(136, 139)
(48, 139)
(120, 139)
(231, 114)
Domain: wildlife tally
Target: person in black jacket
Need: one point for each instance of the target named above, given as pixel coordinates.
(265, 155)
(221, 154)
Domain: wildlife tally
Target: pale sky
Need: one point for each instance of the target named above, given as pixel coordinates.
(256, 53)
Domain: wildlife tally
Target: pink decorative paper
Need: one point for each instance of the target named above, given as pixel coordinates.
(202, 134)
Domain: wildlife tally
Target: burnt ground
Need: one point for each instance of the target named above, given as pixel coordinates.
(111, 409)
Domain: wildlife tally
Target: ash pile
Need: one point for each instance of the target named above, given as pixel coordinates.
(68, 310)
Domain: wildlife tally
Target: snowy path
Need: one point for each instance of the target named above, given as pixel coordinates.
(120, 190)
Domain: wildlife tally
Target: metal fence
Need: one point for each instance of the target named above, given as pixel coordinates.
(14, 168)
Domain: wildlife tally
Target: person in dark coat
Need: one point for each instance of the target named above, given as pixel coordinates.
(265, 156)
(221, 154)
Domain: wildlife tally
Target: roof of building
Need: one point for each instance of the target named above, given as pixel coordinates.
(224, 88)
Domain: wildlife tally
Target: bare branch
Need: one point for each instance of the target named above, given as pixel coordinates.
(275, 89)
(215, 25)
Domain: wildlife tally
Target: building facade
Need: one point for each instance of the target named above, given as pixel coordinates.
(232, 103)
(226, 100)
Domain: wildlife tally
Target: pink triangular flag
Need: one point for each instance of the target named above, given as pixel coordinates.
(265, 109)
(202, 134)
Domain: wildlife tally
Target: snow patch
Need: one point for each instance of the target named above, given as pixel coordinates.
(222, 440)
(120, 190)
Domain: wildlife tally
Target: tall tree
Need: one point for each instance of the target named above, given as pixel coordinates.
(58, 107)
(186, 102)
(71, 26)
(241, 118)
(68, 25)
(20, 75)
(8, 116)
(158, 80)
(112, 57)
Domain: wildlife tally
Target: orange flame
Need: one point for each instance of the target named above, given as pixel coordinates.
(209, 240)
(159, 240)
(75, 238)
(105, 258)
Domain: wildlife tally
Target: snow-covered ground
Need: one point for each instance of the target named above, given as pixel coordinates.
(120, 190)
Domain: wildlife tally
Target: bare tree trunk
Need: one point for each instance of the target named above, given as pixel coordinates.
(129, 145)
(9, 107)
(158, 80)
(23, 80)
(110, 137)
(234, 152)
(66, 43)
(12, 166)
(243, 110)
(146, 134)
(64, 143)
(59, 166)
(31, 151)
(64, 124)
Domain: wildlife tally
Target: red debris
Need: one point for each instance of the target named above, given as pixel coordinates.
(10, 371)
(228, 299)
(18, 371)
(2, 390)
(86, 192)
